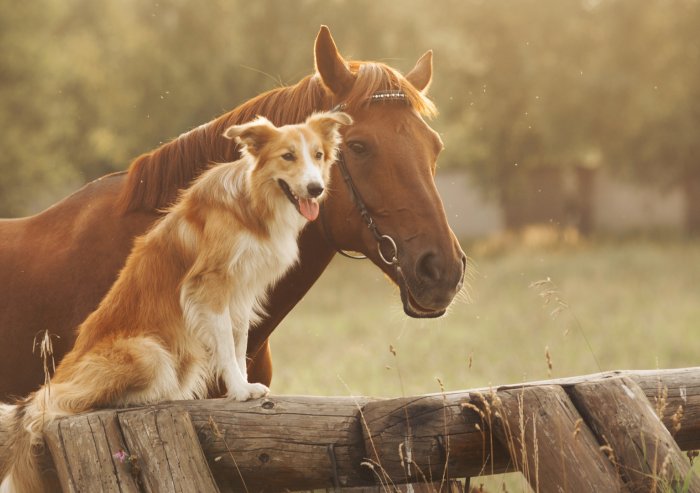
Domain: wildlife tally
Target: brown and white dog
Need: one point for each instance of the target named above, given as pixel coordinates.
(177, 318)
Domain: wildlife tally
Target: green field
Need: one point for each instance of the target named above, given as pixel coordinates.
(631, 305)
(637, 303)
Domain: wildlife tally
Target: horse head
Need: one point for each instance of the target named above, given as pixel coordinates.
(383, 201)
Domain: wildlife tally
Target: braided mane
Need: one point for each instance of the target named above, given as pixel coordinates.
(154, 178)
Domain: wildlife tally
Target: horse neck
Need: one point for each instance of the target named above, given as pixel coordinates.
(315, 254)
(154, 178)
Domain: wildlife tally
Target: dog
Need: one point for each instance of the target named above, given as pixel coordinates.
(177, 318)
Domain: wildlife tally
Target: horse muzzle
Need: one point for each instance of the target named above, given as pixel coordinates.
(430, 284)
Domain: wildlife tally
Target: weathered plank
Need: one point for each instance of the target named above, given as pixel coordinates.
(83, 449)
(427, 438)
(642, 448)
(549, 442)
(166, 450)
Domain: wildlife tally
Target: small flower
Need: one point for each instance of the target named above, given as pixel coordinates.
(121, 456)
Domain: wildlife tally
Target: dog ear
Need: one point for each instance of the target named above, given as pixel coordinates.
(326, 124)
(253, 135)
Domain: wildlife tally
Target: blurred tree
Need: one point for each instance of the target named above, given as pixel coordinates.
(530, 91)
(652, 95)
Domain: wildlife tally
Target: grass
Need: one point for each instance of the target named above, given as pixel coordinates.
(635, 302)
(626, 305)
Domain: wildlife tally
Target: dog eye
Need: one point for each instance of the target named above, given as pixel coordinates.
(357, 147)
(319, 155)
(288, 156)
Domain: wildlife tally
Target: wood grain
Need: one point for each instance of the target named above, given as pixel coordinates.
(641, 447)
(166, 450)
(83, 448)
(549, 442)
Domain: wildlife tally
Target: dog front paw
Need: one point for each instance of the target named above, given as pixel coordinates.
(248, 391)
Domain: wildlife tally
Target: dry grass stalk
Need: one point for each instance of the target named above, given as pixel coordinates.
(217, 432)
(444, 441)
(661, 400)
(676, 420)
(548, 357)
(577, 427)
(551, 296)
(485, 413)
(45, 346)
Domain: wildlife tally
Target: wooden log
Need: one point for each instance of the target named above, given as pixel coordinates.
(166, 451)
(83, 449)
(549, 443)
(641, 447)
(282, 442)
(427, 438)
(273, 440)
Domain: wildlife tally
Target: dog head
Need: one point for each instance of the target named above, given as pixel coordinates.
(297, 158)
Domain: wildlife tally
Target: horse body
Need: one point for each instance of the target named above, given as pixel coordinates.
(56, 266)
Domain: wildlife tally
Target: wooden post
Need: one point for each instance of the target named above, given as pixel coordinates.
(548, 441)
(644, 451)
(83, 451)
(165, 449)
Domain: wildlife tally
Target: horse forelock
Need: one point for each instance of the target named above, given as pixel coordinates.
(154, 178)
(373, 77)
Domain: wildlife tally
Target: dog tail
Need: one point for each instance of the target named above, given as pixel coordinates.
(22, 425)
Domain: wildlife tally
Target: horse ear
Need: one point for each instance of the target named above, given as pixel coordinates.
(330, 65)
(254, 135)
(421, 75)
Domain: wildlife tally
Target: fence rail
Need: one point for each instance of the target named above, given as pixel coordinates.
(590, 433)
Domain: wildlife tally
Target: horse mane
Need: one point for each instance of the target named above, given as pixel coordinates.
(154, 178)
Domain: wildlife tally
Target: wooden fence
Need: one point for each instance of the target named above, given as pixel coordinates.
(592, 433)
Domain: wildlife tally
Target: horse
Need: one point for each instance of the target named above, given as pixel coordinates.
(57, 265)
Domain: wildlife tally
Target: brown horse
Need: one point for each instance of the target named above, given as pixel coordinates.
(57, 265)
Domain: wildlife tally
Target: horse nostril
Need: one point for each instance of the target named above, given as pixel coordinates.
(314, 189)
(429, 267)
(464, 268)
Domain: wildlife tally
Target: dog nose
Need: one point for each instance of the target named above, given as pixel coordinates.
(315, 189)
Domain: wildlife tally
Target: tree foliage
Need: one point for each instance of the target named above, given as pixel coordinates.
(86, 85)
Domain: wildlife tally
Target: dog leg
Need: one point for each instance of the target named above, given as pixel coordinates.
(240, 337)
(230, 351)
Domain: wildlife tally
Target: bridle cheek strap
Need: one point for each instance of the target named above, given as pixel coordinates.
(381, 239)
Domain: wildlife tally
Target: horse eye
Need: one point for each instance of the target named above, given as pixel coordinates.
(357, 147)
(319, 155)
(288, 156)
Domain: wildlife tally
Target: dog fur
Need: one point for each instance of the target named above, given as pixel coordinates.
(177, 318)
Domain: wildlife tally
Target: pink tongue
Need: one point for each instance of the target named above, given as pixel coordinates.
(308, 208)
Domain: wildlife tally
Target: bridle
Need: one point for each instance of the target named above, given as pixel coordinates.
(393, 258)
